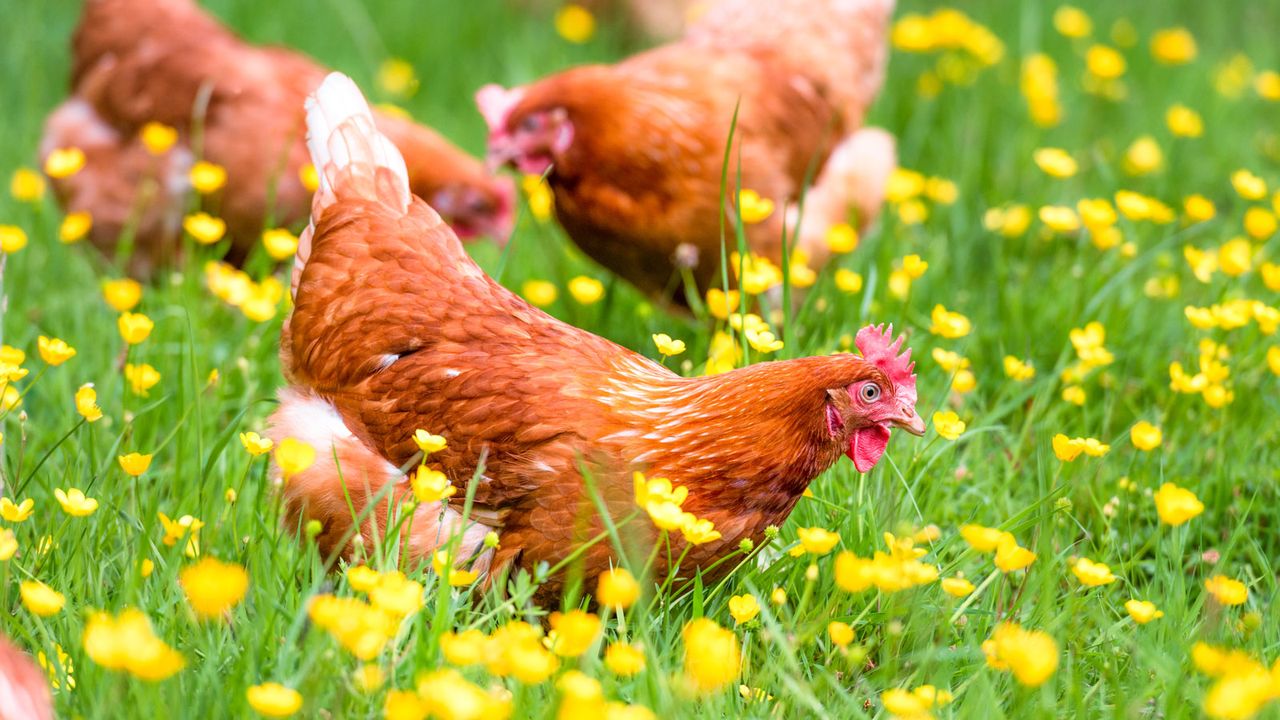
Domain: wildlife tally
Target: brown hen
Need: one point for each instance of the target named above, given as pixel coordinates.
(233, 104)
(634, 151)
(395, 329)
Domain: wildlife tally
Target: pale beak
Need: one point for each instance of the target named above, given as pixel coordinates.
(910, 421)
(501, 152)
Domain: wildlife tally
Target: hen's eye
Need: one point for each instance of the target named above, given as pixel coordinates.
(870, 392)
(530, 123)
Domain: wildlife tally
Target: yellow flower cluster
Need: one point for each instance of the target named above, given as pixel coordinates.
(1031, 655)
(947, 29)
(257, 300)
(1211, 381)
(662, 502)
(128, 643)
(916, 704)
(1039, 84)
(907, 191)
(1068, 449)
(898, 569)
(364, 628)
(1009, 555)
(1242, 686)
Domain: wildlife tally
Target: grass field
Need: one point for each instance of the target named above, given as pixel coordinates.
(963, 113)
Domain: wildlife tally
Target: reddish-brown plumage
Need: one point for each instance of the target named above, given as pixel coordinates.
(137, 61)
(396, 329)
(637, 172)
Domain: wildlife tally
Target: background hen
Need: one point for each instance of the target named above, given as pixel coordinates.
(372, 354)
(236, 105)
(635, 150)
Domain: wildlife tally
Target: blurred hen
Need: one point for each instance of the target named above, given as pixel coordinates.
(635, 150)
(236, 105)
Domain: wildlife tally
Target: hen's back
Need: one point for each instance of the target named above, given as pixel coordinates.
(838, 45)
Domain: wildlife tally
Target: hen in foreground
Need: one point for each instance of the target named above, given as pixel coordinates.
(24, 691)
(395, 330)
(634, 152)
(141, 61)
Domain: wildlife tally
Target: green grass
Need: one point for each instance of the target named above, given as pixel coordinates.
(1023, 295)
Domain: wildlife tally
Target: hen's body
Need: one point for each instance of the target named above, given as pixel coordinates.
(24, 691)
(396, 329)
(641, 174)
(239, 106)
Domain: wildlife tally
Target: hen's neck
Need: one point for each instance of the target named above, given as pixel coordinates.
(739, 434)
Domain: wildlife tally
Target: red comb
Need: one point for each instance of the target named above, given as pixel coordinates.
(879, 348)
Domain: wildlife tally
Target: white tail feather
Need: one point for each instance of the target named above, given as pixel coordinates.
(347, 150)
(342, 136)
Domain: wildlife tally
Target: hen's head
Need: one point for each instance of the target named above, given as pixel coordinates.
(476, 210)
(862, 413)
(530, 138)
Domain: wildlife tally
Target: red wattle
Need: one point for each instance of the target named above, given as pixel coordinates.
(866, 445)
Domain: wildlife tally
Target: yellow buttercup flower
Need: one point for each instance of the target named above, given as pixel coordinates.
(1031, 655)
(294, 456)
(158, 137)
(1142, 611)
(1010, 556)
(1176, 505)
(74, 502)
(309, 177)
(274, 700)
(26, 185)
(1235, 257)
(207, 177)
(431, 486)
(575, 23)
(1092, 574)
(1055, 162)
(842, 238)
(1248, 185)
(429, 443)
(666, 346)
(712, 657)
(1143, 157)
(754, 208)
(539, 292)
(123, 294)
(1184, 122)
(205, 228)
(54, 351)
(617, 588)
(848, 281)
(255, 444)
(64, 162)
(1227, 591)
(12, 238)
(135, 463)
(743, 608)
(1259, 223)
(397, 77)
(948, 424)
(87, 403)
(947, 324)
(1145, 436)
(957, 586)
(75, 226)
(817, 540)
(213, 587)
(721, 303)
(624, 660)
(1104, 62)
(1173, 46)
(1060, 218)
(982, 539)
(16, 512)
(40, 599)
(841, 634)
(1018, 370)
(134, 327)
(280, 243)
(586, 290)
(1198, 208)
(763, 341)
(127, 642)
(141, 378)
(573, 632)
(1072, 22)
(8, 544)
